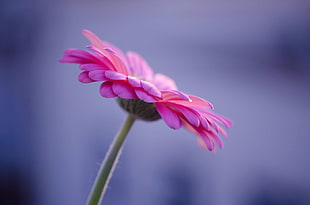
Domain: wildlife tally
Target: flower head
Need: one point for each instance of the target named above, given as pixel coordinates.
(144, 94)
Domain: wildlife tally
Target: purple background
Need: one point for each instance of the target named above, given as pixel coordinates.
(251, 59)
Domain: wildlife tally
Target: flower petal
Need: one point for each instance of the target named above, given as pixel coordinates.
(169, 95)
(217, 139)
(197, 101)
(118, 63)
(208, 141)
(78, 56)
(163, 82)
(169, 116)
(150, 88)
(201, 136)
(218, 118)
(116, 57)
(139, 66)
(84, 78)
(213, 124)
(95, 40)
(201, 142)
(135, 82)
(110, 60)
(106, 90)
(144, 96)
(190, 115)
(204, 122)
(104, 59)
(91, 66)
(223, 132)
(115, 75)
(97, 75)
(123, 90)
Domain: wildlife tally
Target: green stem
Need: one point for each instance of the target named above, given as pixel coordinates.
(108, 165)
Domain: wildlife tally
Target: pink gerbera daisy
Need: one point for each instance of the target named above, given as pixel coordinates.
(146, 95)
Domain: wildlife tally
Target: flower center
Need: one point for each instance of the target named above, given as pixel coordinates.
(140, 109)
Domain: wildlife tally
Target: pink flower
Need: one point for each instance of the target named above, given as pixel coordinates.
(130, 77)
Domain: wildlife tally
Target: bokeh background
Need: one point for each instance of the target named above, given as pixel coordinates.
(251, 59)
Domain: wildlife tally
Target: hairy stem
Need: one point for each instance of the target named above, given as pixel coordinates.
(108, 165)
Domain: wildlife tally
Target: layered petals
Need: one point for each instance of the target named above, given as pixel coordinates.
(170, 117)
(97, 75)
(196, 116)
(144, 96)
(106, 90)
(138, 66)
(84, 77)
(130, 77)
(123, 90)
(103, 45)
(78, 56)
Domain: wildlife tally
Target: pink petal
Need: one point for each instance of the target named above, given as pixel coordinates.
(208, 114)
(221, 119)
(204, 122)
(191, 116)
(197, 101)
(201, 136)
(213, 124)
(69, 59)
(103, 44)
(97, 75)
(164, 82)
(170, 117)
(104, 59)
(93, 39)
(111, 60)
(223, 132)
(106, 90)
(150, 88)
(169, 95)
(91, 66)
(118, 64)
(217, 139)
(78, 56)
(144, 96)
(116, 51)
(117, 58)
(139, 66)
(115, 75)
(123, 90)
(202, 143)
(208, 142)
(135, 82)
(84, 78)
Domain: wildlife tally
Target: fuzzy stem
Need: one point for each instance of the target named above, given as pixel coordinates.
(108, 165)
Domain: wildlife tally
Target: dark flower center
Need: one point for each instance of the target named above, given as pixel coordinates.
(140, 109)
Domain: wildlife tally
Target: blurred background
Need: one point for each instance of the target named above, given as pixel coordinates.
(251, 59)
